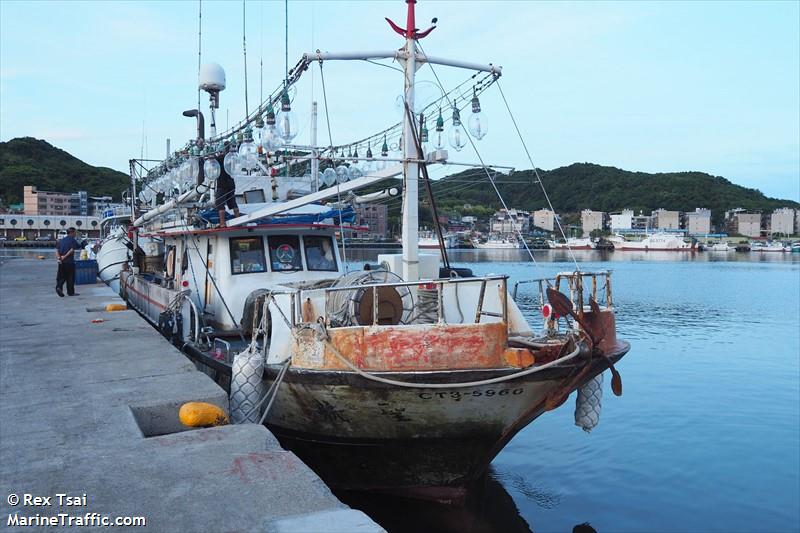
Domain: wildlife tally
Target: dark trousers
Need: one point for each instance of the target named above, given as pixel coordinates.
(66, 272)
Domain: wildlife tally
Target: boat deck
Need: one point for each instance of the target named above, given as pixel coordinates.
(90, 407)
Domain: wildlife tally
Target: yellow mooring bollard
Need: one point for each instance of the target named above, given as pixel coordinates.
(201, 414)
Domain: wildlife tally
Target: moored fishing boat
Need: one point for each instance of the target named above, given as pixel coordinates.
(653, 242)
(720, 247)
(768, 246)
(408, 376)
(574, 243)
(497, 242)
(428, 239)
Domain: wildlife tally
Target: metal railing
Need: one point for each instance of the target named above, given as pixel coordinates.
(575, 285)
(296, 297)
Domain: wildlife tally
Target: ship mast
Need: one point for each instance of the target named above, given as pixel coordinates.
(410, 229)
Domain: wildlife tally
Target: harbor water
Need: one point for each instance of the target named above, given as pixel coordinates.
(706, 436)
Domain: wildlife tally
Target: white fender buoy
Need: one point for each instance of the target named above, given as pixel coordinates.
(247, 386)
(588, 404)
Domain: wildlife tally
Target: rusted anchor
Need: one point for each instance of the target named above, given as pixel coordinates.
(563, 306)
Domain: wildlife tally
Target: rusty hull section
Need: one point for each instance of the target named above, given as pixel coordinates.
(420, 348)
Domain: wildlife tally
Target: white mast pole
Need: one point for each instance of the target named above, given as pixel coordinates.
(410, 234)
(314, 151)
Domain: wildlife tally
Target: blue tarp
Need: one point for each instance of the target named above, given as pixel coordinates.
(347, 214)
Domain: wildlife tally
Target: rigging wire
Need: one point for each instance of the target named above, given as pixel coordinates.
(486, 170)
(261, 56)
(244, 51)
(536, 173)
(338, 185)
(199, 47)
(286, 39)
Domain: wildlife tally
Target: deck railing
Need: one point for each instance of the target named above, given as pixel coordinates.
(575, 284)
(297, 296)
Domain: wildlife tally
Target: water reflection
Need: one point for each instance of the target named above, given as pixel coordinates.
(564, 256)
(488, 508)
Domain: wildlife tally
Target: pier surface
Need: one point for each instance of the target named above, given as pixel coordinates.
(79, 399)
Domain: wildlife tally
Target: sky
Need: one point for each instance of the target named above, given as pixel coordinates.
(645, 86)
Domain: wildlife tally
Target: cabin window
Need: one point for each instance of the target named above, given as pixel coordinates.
(247, 255)
(284, 253)
(256, 196)
(319, 253)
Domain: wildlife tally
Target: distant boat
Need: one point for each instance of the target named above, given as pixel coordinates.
(495, 242)
(767, 247)
(573, 243)
(656, 242)
(721, 247)
(795, 247)
(429, 239)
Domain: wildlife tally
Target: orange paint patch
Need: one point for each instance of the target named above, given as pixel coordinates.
(421, 348)
(518, 357)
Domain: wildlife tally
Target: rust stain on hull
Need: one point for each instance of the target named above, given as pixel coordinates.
(415, 348)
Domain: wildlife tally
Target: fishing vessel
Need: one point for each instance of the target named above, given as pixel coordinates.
(429, 239)
(574, 243)
(721, 247)
(408, 376)
(656, 242)
(494, 242)
(769, 246)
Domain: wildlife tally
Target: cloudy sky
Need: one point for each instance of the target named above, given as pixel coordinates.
(647, 86)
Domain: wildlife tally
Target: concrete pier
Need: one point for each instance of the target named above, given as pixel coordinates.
(82, 390)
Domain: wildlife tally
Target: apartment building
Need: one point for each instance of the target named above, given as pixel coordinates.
(544, 219)
(592, 220)
(698, 222)
(783, 221)
(510, 221)
(375, 217)
(51, 203)
(666, 220)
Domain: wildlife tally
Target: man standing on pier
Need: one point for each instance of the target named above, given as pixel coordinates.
(65, 252)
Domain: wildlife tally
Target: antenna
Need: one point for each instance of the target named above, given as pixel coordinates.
(212, 81)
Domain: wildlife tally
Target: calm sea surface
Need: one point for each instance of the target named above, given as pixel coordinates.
(707, 434)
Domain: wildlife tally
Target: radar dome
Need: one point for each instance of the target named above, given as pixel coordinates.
(212, 77)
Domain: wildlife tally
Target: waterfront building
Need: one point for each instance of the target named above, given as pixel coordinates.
(592, 220)
(544, 219)
(782, 221)
(13, 225)
(747, 224)
(510, 221)
(642, 221)
(54, 203)
(375, 217)
(698, 222)
(622, 220)
(666, 220)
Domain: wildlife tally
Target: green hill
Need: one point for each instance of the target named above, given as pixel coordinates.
(588, 186)
(29, 161)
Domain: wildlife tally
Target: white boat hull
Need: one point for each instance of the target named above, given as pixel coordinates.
(113, 254)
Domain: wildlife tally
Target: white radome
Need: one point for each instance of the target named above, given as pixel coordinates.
(212, 77)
